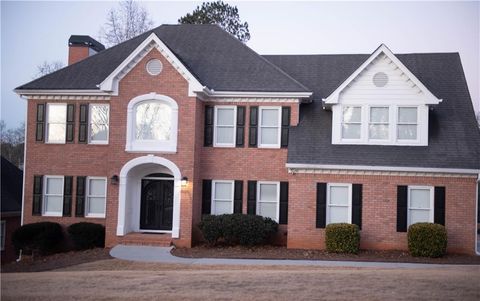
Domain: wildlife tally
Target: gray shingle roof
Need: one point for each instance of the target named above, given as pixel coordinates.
(454, 138)
(217, 59)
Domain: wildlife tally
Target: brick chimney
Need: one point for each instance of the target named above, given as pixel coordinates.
(81, 47)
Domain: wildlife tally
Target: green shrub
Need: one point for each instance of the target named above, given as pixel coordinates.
(233, 229)
(427, 240)
(342, 238)
(87, 235)
(42, 238)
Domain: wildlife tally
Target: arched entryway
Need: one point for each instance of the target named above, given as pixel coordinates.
(149, 196)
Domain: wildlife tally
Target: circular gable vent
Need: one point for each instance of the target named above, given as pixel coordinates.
(154, 67)
(380, 79)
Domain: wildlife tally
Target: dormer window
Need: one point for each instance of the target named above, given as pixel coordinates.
(352, 123)
(407, 123)
(378, 127)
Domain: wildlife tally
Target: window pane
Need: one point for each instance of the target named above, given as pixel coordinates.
(268, 210)
(352, 114)
(153, 121)
(379, 115)
(378, 131)
(97, 187)
(225, 135)
(223, 191)
(338, 195)
(407, 132)
(223, 207)
(419, 216)
(98, 132)
(407, 115)
(225, 116)
(351, 131)
(99, 114)
(57, 113)
(269, 117)
(268, 192)
(56, 132)
(338, 215)
(54, 204)
(96, 205)
(420, 198)
(54, 186)
(269, 136)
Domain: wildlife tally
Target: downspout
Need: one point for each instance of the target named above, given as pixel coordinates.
(477, 251)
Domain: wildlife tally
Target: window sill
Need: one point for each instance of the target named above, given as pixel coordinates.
(98, 143)
(269, 146)
(52, 214)
(95, 216)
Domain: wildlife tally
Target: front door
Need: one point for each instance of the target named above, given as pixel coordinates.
(156, 208)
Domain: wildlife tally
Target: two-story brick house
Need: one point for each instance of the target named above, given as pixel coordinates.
(185, 120)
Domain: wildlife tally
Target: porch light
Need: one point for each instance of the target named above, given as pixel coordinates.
(114, 180)
(184, 181)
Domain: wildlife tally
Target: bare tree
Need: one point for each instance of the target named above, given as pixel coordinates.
(48, 67)
(11, 143)
(125, 22)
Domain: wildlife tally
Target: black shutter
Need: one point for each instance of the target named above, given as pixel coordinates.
(80, 204)
(283, 220)
(40, 128)
(37, 195)
(207, 197)
(357, 205)
(253, 130)
(67, 195)
(285, 126)
(252, 197)
(402, 208)
(83, 124)
(208, 135)
(70, 123)
(240, 126)
(321, 205)
(238, 197)
(439, 206)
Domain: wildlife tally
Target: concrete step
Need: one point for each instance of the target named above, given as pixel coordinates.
(147, 239)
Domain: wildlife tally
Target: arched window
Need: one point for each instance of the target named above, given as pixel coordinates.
(152, 123)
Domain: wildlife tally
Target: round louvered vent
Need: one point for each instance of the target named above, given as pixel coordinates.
(380, 79)
(154, 67)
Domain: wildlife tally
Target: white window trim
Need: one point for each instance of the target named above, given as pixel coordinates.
(3, 233)
(279, 126)
(397, 123)
(215, 116)
(90, 141)
(214, 199)
(47, 124)
(369, 120)
(133, 145)
(361, 123)
(277, 217)
(432, 207)
(349, 186)
(44, 195)
(87, 198)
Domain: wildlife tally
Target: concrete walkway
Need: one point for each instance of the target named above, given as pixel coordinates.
(163, 255)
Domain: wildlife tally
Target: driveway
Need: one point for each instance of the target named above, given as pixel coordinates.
(125, 280)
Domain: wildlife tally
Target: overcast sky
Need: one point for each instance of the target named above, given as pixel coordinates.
(32, 32)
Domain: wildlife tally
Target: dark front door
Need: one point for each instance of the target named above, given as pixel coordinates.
(156, 208)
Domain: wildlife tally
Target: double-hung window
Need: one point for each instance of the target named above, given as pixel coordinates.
(268, 199)
(53, 196)
(339, 203)
(351, 123)
(222, 197)
(225, 121)
(378, 125)
(420, 204)
(56, 123)
(270, 127)
(96, 197)
(99, 123)
(407, 123)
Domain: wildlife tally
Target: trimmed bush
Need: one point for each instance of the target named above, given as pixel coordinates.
(342, 238)
(427, 240)
(87, 235)
(233, 229)
(38, 238)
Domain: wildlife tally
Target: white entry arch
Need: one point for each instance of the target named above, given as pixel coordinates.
(148, 163)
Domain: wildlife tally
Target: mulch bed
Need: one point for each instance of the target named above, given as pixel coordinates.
(55, 261)
(275, 252)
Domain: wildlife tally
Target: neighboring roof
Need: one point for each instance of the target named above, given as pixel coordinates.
(216, 58)
(11, 185)
(454, 137)
(86, 41)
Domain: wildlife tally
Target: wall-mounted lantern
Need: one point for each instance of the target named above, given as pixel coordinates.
(114, 180)
(184, 181)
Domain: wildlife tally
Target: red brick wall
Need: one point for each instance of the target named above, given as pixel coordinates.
(76, 54)
(11, 223)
